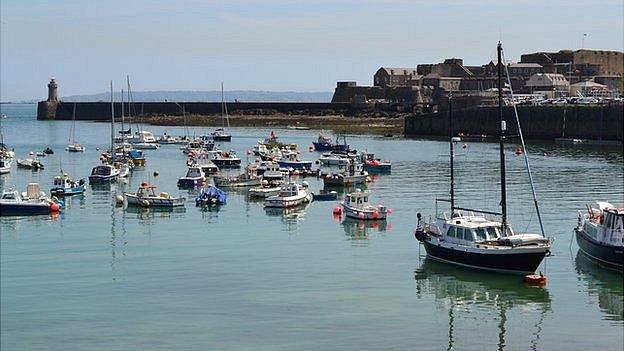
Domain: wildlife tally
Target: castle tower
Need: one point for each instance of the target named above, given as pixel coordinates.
(52, 90)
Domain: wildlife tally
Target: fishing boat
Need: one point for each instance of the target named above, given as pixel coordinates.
(477, 240)
(354, 175)
(334, 159)
(290, 159)
(324, 143)
(30, 163)
(357, 205)
(271, 171)
(290, 195)
(220, 134)
(600, 233)
(32, 202)
(211, 195)
(193, 178)
(145, 141)
(246, 179)
(145, 196)
(5, 164)
(224, 159)
(271, 142)
(73, 146)
(104, 173)
(65, 186)
(375, 165)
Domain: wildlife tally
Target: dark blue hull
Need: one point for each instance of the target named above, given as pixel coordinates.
(295, 165)
(612, 255)
(329, 146)
(325, 197)
(190, 183)
(24, 209)
(102, 180)
(67, 192)
(222, 137)
(513, 262)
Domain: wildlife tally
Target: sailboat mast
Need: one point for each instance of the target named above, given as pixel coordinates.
(112, 122)
(452, 151)
(222, 107)
(503, 127)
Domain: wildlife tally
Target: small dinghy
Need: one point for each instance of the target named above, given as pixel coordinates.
(268, 188)
(145, 196)
(211, 195)
(290, 159)
(65, 186)
(357, 205)
(103, 174)
(375, 165)
(325, 196)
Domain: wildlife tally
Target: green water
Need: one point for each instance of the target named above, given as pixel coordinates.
(100, 277)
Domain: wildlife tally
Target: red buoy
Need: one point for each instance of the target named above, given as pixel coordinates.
(337, 210)
(535, 279)
(54, 207)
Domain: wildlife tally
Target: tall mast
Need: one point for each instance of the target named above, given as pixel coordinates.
(503, 127)
(452, 152)
(112, 122)
(222, 107)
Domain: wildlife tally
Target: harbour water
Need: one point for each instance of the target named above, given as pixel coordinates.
(241, 277)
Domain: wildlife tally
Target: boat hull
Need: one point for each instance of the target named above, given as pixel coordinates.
(329, 146)
(336, 180)
(286, 202)
(520, 263)
(609, 254)
(383, 168)
(235, 163)
(102, 179)
(190, 182)
(222, 137)
(24, 209)
(153, 201)
(295, 165)
(363, 214)
(67, 191)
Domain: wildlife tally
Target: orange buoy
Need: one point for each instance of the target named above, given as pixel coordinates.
(337, 210)
(54, 207)
(376, 214)
(535, 279)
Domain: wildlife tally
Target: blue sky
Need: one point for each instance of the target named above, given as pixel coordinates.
(273, 45)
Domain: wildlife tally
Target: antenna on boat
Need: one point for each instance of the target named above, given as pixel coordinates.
(503, 127)
(451, 150)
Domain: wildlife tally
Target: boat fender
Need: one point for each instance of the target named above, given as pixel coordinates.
(144, 203)
(119, 199)
(535, 279)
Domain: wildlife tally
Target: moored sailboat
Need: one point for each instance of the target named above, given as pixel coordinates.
(477, 241)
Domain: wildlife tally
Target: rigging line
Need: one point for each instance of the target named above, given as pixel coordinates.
(525, 153)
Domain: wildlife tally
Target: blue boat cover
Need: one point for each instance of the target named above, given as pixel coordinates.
(211, 192)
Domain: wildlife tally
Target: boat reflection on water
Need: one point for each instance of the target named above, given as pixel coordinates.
(151, 213)
(605, 282)
(357, 229)
(290, 216)
(471, 295)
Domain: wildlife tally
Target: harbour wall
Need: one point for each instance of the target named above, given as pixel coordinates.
(595, 122)
(102, 110)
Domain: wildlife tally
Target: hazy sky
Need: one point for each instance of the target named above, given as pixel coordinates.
(274, 45)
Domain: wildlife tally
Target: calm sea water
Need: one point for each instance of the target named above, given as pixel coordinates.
(101, 277)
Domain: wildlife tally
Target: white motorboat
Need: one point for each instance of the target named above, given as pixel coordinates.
(146, 196)
(224, 159)
(290, 195)
(32, 202)
(357, 205)
(264, 192)
(30, 163)
(75, 148)
(334, 159)
(600, 233)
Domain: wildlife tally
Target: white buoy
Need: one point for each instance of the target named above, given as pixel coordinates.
(119, 199)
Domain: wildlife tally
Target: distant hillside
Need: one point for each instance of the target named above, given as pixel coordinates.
(240, 95)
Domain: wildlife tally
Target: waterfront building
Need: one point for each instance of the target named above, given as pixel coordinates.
(394, 76)
(549, 83)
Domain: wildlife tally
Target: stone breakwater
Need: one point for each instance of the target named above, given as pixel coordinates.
(595, 122)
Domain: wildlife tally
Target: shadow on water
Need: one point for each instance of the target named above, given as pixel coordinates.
(459, 289)
(604, 282)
